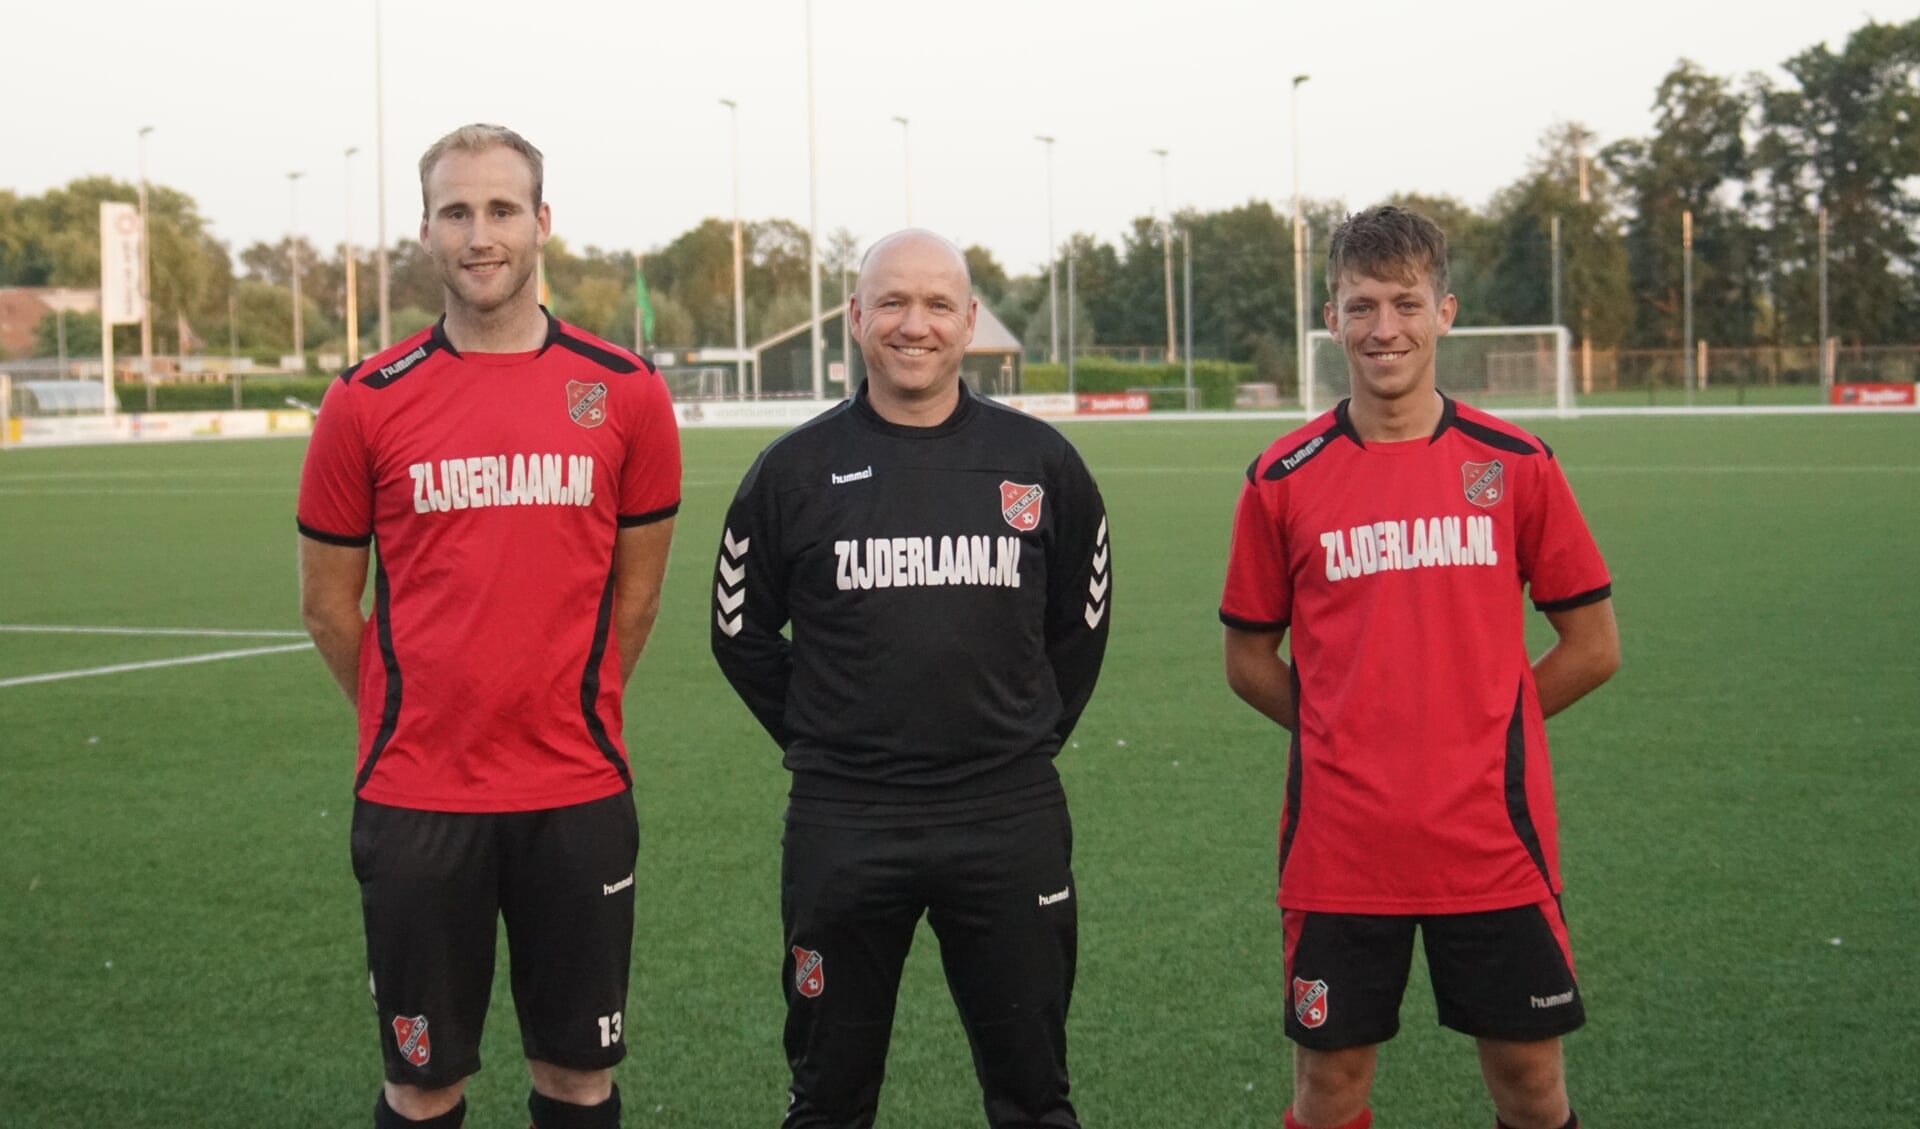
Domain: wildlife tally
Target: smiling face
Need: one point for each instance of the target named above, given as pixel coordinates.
(913, 313)
(1389, 329)
(484, 231)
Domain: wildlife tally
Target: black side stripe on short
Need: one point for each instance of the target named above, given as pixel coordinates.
(1293, 777)
(590, 685)
(1517, 811)
(390, 709)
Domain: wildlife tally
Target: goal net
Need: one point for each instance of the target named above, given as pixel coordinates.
(1493, 367)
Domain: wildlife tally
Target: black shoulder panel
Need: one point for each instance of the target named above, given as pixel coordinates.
(1288, 463)
(1496, 438)
(1252, 470)
(606, 359)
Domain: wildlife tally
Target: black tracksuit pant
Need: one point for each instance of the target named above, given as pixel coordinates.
(999, 896)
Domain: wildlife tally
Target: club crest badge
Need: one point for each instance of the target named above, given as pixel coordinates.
(1310, 1002)
(809, 975)
(586, 403)
(1020, 505)
(411, 1034)
(1485, 483)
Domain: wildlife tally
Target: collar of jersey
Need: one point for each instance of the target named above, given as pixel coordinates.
(962, 412)
(1448, 413)
(553, 334)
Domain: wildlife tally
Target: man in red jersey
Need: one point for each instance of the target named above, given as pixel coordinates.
(520, 478)
(1393, 537)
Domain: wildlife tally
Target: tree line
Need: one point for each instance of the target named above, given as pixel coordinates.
(1753, 160)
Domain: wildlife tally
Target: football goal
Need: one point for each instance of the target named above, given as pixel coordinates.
(1493, 367)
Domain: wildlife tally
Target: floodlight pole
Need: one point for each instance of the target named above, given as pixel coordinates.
(815, 347)
(1186, 259)
(1826, 350)
(1686, 286)
(1301, 375)
(1166, 247)
(1053, 261)
(146, 271)
(353, 273)
(380, 184)
(293, 263)
(906, 168)
(1070, 345)
(739, 280)
(1553, 227)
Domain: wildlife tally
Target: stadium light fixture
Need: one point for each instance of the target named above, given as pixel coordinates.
(1053, 259)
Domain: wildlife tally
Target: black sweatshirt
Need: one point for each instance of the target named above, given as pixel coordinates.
(948, 589)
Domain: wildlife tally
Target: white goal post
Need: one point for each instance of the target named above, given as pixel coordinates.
(1488, 366)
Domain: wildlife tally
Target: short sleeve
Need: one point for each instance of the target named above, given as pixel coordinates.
(1559, 561)
(1259, 588)
(650, 469)
(336, 481)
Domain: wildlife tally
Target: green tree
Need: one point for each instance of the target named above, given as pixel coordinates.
(1845, 136)
(1597, 300)
(1696, 152)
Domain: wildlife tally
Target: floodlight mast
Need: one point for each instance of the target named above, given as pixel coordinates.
(1302, 363)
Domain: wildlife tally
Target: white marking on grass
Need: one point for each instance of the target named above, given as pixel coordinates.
(155, 664)
(220, 633)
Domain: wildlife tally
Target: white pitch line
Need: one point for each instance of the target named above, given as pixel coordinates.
(122, 668)
(219, 633)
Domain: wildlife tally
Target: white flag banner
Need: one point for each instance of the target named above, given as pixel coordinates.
(120, 297)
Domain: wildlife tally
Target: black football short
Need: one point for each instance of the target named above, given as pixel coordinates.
(433, 887)
(1502, 974)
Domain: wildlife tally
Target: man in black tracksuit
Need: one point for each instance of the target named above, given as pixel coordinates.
(943, 563)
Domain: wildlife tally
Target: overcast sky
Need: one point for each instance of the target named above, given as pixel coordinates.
(623, 97)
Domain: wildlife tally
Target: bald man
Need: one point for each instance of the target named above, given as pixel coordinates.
(940, 563)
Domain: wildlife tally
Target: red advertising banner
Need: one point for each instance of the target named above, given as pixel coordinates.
(1873, 395)
(1113, 404)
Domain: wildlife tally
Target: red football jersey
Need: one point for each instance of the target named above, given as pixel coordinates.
(492, 487)
(1418, 782)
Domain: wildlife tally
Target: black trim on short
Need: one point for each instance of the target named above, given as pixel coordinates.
(344, 540)
(1594, 596)
(628, 521)
(390, 662)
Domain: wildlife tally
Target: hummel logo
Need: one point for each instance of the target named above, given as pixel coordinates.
(1557, 1000)
(1097, 585)
(853, 477)
(730, 592)
(1049, 899)
(617, 886)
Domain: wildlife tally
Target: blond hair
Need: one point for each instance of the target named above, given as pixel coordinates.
(477, 138)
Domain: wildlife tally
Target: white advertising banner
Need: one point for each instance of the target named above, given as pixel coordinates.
(119, 263)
